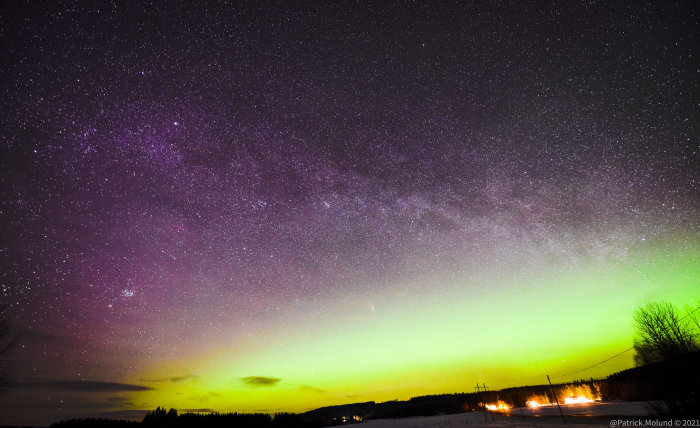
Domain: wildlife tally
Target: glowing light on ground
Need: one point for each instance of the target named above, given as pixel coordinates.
(568, 394)
(577, 400)
(499, 407)
(578, 394)
(535, 401)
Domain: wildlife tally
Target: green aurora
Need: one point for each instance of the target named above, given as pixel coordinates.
(348, 352)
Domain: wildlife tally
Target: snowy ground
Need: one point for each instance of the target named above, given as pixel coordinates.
(579, 415)
(613, 408)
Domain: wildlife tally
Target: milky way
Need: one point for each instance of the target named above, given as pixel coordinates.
(236, 206)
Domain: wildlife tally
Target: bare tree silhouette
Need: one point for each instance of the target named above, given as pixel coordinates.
(661, 333)
(693, 317)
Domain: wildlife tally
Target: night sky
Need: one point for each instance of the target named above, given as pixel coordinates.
(270, 207)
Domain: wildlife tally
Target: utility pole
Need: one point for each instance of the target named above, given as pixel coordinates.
(482, 389)
(555, 399)
(522, 415)
(480, 397)
(485, 389)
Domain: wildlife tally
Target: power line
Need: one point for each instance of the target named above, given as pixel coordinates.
(620, 353)
(597, 364)
(688, 314)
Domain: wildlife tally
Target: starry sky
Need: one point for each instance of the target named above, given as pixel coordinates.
(276, 206)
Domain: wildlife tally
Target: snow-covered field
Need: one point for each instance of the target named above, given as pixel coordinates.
(612, 408)
(587, 415)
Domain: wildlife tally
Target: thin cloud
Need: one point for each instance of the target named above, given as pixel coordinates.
(117, 399)
(83, 386)
(173, 379)
(308, 388)
(181, 378)
(121, 414)
(260, 381)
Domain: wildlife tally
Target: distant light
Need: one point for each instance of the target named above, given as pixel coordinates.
(500, 407)
(577, 400)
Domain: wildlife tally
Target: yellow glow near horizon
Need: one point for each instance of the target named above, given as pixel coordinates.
(420, 344)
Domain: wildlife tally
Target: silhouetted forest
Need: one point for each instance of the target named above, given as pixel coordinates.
(160, 418)
(95, 422)
(673, 384)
